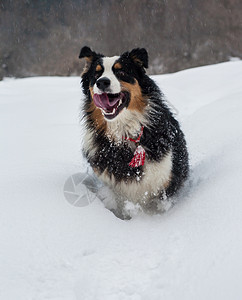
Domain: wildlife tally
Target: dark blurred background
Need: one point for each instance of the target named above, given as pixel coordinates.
(44, 37)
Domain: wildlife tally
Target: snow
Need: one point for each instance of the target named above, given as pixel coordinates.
(50, 249)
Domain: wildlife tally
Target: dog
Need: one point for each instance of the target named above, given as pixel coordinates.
(132, 140)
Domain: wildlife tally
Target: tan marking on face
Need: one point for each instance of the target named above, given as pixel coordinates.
(96, 114)
(117, 66)
(91, 91)
(98, 68)
(137, 101)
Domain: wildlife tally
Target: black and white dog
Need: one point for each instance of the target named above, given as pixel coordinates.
(132, 141)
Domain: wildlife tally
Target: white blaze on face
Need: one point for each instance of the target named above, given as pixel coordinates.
(115, 86)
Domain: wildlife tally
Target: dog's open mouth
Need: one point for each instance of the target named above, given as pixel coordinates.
(110, 104)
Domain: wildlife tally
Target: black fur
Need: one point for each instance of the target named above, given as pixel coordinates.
(140, 57)
(162, 135)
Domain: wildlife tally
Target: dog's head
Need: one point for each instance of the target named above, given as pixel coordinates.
(114, 83)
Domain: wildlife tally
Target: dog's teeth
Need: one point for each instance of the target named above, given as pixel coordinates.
(120, 102)
(108, 113)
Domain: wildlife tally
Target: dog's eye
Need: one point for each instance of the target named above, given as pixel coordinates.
(121, 72)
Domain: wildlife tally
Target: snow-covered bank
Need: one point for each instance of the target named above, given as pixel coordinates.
(52, 250)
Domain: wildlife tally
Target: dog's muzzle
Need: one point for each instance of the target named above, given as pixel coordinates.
(110, 104)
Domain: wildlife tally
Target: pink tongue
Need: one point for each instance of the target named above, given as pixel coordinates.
(102, 101)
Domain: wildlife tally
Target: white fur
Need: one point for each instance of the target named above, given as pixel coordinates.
(127, 123)
(88, 143)
(155, 179)
(115, 86)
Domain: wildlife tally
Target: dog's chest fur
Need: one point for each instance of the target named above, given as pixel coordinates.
(110, 160)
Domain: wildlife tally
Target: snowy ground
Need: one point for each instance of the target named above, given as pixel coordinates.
(52, 250)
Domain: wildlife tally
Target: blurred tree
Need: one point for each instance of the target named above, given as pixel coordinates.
(44, 37)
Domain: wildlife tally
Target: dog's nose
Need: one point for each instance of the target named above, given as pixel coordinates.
(103, 83)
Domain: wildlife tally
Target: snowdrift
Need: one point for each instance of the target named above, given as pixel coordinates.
(53, 250)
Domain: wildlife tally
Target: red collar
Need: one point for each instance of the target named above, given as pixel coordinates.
(139, 154)
(139, 137)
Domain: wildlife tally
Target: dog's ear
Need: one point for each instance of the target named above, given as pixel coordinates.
(140, 57)
(88, 54)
